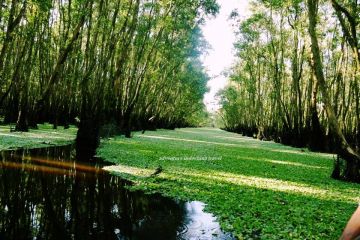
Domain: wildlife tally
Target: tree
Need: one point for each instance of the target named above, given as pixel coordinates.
(298, 86)
(104, 61)
(352, 158)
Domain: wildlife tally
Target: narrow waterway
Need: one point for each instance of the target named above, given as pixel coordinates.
(46, 194)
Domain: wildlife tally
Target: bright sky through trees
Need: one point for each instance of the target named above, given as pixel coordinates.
(220, 35)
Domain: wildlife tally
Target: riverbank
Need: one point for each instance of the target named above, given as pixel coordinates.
(44, 136)
(258, 190)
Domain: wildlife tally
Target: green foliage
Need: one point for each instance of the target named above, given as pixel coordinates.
(258, 190)
(272, 92)
(44, 5)
(210, 6)
(274, 3)
(137, 60)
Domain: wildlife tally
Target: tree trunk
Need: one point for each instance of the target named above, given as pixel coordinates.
(87, 138)
(351, 157)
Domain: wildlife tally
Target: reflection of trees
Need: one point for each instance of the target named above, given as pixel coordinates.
(91, 205)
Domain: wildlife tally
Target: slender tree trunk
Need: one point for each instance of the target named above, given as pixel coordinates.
(87, 138)
(53, 79)
(316, 133)
(12, 24)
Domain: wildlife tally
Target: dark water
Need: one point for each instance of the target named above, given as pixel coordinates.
(44, 195)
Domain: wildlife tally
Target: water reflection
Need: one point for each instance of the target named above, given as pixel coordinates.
(43, 195)
(199, 224)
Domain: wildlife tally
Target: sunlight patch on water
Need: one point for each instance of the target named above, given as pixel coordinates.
(139, 172)
(281, 162)
(272, 184)
(292, 164)
(188, 140)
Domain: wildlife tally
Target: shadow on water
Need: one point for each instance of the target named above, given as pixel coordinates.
(44, 195)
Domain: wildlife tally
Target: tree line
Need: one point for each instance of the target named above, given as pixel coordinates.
(296, 79)
(131, 62)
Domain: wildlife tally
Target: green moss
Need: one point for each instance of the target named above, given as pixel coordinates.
(258, 190)
(42, 137)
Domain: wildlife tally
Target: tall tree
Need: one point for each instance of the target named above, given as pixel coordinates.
(296, 86)
(352, 158)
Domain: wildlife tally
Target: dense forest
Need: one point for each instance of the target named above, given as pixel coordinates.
(296, 79)
(136, 64)
(133, 63)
